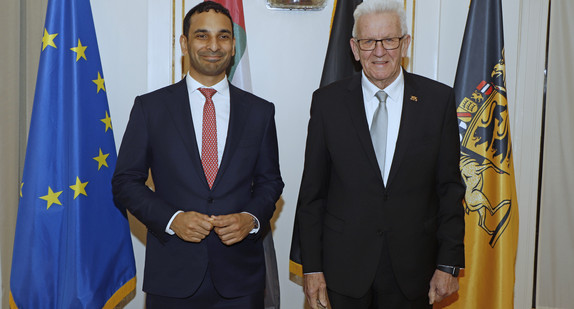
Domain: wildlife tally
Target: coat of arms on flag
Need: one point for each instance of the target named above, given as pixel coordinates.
(485, 148)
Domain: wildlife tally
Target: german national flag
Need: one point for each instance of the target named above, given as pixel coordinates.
(339, 61)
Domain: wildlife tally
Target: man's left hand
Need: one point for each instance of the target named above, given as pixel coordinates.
(442, 285)
(232, 228)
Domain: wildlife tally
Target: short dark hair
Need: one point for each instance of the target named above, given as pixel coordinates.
(205, 7)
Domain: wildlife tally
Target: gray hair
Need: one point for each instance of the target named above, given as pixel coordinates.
(381, 6)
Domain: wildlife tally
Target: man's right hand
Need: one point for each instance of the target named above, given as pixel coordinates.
(316, 290)
(191, 226)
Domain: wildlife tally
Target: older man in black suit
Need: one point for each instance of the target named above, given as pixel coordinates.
(380, 212)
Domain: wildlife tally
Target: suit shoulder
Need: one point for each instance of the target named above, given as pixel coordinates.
(339, 86)
(337, 93)
(160, 93)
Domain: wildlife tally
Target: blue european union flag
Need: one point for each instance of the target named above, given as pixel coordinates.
(72, 247)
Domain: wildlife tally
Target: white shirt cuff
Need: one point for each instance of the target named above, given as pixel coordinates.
(255, 230)
(168, 227)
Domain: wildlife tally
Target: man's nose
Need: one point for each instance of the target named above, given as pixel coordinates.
(379, 49)
(213, 44)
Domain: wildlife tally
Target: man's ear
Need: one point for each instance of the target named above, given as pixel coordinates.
(354, 48)
(405, 46)
(183, 44)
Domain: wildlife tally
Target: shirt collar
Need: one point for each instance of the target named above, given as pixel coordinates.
(393, 90)
(222, 87)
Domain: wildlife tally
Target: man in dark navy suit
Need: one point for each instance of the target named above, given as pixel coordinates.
(380, 215)
(212, 150)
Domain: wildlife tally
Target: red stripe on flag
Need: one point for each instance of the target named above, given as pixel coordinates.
(481, 85)
(485, 88)
(235, 8)
(489, 90)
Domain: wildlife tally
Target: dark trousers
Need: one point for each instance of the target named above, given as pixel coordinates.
(206, 297)
(384, 293)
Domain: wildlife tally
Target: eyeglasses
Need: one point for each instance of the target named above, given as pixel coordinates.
(388, 43)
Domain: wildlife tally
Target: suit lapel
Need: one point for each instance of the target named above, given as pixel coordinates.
(408, 121)
(238, 114)
(180, 112)
(356, 106)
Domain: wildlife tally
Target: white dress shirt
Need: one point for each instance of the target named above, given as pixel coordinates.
(395, 94)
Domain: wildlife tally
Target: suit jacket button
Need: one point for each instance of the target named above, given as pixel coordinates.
(210, 200)
(385, 197)
(379, 232)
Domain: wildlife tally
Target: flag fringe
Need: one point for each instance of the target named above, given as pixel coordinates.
(11, 302)
(122, 296)
(119, 300)
(296, 272)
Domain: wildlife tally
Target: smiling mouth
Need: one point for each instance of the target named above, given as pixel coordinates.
(211, 57)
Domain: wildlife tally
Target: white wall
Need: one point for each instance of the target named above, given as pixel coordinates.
(122, 31)
(286, 50)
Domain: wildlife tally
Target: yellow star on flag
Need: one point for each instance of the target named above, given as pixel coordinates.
(107, 121)
(48, 40)
(79, 188)
(101, 158)
(100, 83)
(80, 51)
(21, 185)
(52, 197)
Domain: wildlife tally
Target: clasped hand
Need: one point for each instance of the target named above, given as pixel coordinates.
(194, 227)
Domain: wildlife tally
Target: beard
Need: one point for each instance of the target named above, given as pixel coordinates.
(208, 67)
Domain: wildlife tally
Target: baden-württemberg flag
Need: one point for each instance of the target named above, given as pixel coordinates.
(72, 247)
(486, 163)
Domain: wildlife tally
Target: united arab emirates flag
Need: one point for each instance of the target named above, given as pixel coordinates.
(239, 75)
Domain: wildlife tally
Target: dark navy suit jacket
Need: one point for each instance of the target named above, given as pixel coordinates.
(160, 136)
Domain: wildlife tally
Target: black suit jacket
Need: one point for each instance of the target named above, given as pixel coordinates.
(160, 136)
(344, 209)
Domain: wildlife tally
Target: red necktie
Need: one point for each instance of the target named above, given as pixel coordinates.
(209, 137)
